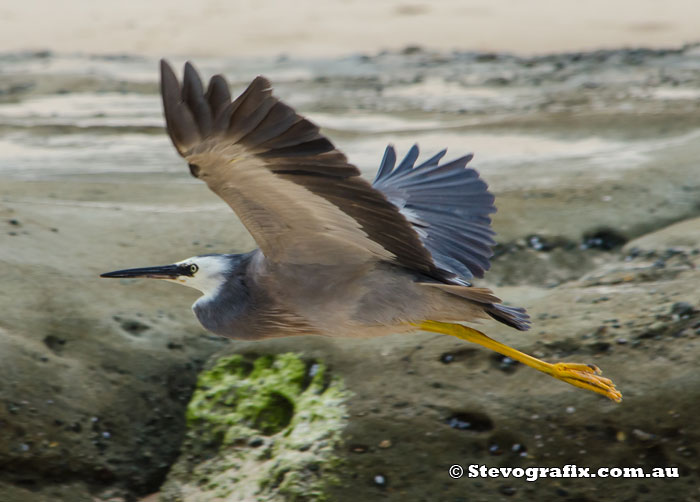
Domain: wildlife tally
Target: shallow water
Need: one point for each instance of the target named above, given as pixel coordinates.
(530, 121)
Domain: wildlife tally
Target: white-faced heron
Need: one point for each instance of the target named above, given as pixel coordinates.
(338, 256)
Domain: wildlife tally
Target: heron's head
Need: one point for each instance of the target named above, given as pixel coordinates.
(206, 273)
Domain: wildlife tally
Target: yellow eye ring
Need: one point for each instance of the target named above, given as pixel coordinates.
(193, 268)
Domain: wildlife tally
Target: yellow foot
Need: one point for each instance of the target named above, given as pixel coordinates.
(585, 376)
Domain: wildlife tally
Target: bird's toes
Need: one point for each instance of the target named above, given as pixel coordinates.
(587, 376)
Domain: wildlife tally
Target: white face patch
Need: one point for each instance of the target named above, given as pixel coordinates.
(209, 277)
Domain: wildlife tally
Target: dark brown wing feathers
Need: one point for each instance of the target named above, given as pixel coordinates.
(180, 122)
(293, 148)
(193, 95)
(218, 97)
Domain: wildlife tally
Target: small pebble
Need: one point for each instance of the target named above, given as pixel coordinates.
(255, 441)
(507, 490)
(379, 480)
(495, 449)
(682, 309)
(642, 436)
(447, 358)
(507, 364)
(538, 243)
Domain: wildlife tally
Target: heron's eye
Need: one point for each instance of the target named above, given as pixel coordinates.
(193, 268)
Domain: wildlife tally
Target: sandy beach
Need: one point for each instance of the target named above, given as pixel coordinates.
(591, 149)
(245, 28)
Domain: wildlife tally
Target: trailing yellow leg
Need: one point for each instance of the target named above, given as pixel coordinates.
(585, 376)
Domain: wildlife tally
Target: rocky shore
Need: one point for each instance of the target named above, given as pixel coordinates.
(103, 385)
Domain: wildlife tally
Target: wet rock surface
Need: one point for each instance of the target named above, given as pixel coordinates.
(261, 428)
(93, 390)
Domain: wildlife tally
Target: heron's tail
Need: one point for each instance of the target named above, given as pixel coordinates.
(515, 317)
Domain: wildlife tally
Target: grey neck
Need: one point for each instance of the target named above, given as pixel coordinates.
(224, 313)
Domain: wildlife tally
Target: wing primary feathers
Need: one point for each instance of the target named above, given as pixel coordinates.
(314, 147)
(280, 118)
(408, 161)
(298, 133)
(432, 161)
(247, 124)
(193, 96)
(388, 163)
(180, 122)
(219, 98)
(246, 108)
(459, 163)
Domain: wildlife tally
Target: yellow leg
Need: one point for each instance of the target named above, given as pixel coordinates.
(585, 376)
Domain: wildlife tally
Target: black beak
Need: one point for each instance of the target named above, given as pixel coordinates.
(162, 272)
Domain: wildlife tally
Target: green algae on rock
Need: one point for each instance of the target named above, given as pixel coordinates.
(260, 428)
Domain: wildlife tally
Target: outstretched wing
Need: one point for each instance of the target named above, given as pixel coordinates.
(293, 190)
(448, 206)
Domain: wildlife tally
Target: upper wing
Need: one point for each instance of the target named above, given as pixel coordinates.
(448, 205)
(295, 193)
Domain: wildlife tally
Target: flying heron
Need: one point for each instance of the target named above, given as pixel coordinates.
(337, 256)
